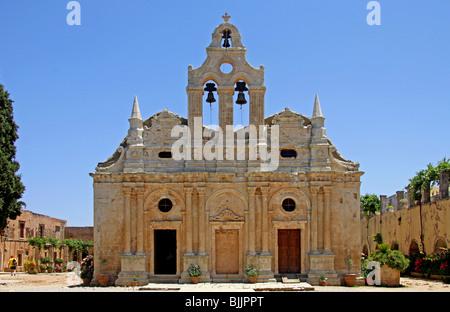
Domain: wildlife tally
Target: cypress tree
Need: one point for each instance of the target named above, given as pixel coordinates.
(11, 187)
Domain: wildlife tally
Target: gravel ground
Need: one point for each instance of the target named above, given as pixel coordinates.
(70, 282)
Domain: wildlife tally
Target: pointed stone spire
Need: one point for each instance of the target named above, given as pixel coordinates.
(317, 112)
(136, 112)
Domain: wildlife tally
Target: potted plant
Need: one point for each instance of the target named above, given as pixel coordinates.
(194, 273)
(252, 273)
(42, 268)
(103, 279)
(29, 266)
(87, 270)
(134, 283)
(392, 262)
(323, 280)
(58, 263)
(349, 278)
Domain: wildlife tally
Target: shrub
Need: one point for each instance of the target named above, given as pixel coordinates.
(392, 258)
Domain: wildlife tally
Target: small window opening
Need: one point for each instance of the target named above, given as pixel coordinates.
(165, 155)
(288, 153)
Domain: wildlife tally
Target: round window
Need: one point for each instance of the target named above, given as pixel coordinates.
(165, 205)
(226, 68)
(288, 204)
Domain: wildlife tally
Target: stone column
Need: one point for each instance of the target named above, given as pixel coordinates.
(426, 194)
(327, 219)
(265, 220)
(140, 221)
(201, 220)
(127, 222)
(320, 225)
(188, 238)
(400, 196)
(383, 204)
(225, 106)
(195, 104)
(251, 220)
(443, 184)
(314, 191)
(256, 95)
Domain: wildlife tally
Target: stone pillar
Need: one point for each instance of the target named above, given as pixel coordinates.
(195, 104)
(327, 220)
(265, 220)
(443, 184)
(314, 191)
(225, 106)
(383, 206)
(251, 220)
(426, 194)
(400, 196)
(256, 95)
(127, 222)
(188, 238)
(411, 201)
(140, 221)
(201, 220)
(320, 219)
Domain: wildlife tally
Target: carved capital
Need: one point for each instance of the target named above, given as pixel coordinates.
(251, 190)
(201, 190)
(188, 190)
(315, 189)
(327, 190)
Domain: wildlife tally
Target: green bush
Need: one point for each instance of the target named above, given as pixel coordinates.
(392, 258)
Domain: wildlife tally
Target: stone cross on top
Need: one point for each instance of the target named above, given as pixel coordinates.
(226, 17)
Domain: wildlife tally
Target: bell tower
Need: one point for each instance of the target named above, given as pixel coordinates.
(226, 47)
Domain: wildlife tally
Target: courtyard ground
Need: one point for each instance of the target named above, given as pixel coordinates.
(70, 282)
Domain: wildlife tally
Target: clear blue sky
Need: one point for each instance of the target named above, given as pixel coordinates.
(384, 90)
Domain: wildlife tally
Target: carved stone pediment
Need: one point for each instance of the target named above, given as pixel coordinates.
(226, 215)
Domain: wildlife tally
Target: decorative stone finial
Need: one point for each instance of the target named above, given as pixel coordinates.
(136, 113)
(317, 112)
(226, 17)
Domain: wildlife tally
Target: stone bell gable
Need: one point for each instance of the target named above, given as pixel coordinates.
(155, 214)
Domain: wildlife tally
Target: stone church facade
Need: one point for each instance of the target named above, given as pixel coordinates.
(154, 215)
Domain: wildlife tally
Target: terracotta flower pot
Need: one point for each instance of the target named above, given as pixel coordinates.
(350, 279)
(323, 283)
(252, 279)
(103, 279)
(194, 280)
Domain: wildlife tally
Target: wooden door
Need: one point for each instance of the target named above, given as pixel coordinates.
(227, 251)
(289, 251)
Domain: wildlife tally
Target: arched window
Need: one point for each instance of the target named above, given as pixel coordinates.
(165, 205)
(413, 248)
(288, 205)
(440, 243)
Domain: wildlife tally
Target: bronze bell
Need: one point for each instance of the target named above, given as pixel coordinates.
(241, 99)
(226, 36)
(240, 86)
(210, 87)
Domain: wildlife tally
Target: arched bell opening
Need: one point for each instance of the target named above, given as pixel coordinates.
(210, 104)
(241, 101)
(226, 39)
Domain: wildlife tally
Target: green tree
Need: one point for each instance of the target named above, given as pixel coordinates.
(11, 187)
(370, 203)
